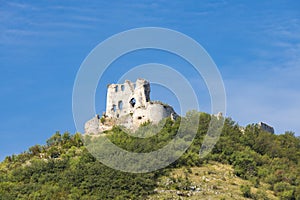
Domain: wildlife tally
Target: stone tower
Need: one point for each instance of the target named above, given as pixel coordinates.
(122, 99)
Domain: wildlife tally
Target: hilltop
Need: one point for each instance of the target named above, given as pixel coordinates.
(247, 164)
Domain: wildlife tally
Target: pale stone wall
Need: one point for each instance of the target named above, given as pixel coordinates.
(119, 97)
(154, 112)
(92, 126)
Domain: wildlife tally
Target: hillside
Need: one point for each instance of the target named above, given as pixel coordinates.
(210, 181)
(252, 164)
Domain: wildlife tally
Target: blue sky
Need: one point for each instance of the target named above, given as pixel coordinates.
(256, 46)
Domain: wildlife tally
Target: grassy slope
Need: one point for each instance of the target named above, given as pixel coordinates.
(211, 181)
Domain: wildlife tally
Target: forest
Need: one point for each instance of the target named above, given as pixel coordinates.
(64, 168)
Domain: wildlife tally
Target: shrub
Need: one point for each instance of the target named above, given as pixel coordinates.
(246, 191)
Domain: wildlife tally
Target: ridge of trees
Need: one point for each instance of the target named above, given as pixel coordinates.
(64, 169)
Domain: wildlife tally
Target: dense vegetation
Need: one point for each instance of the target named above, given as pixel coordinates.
(64, 169)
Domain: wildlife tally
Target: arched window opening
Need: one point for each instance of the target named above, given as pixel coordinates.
(122, 87)
(132, 102)
(120, 105)
(116, 88)
(114, 108)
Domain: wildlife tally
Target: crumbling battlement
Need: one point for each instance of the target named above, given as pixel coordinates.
(123, 99)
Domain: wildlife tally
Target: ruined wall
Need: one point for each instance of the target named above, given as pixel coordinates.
(153, 112)
(266, 127)
(122, 99)
(92, 126)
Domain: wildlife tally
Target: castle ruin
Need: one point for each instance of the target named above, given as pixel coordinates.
(129, 105)
(266, 127)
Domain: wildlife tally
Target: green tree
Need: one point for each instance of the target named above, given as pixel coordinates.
(55, 139)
